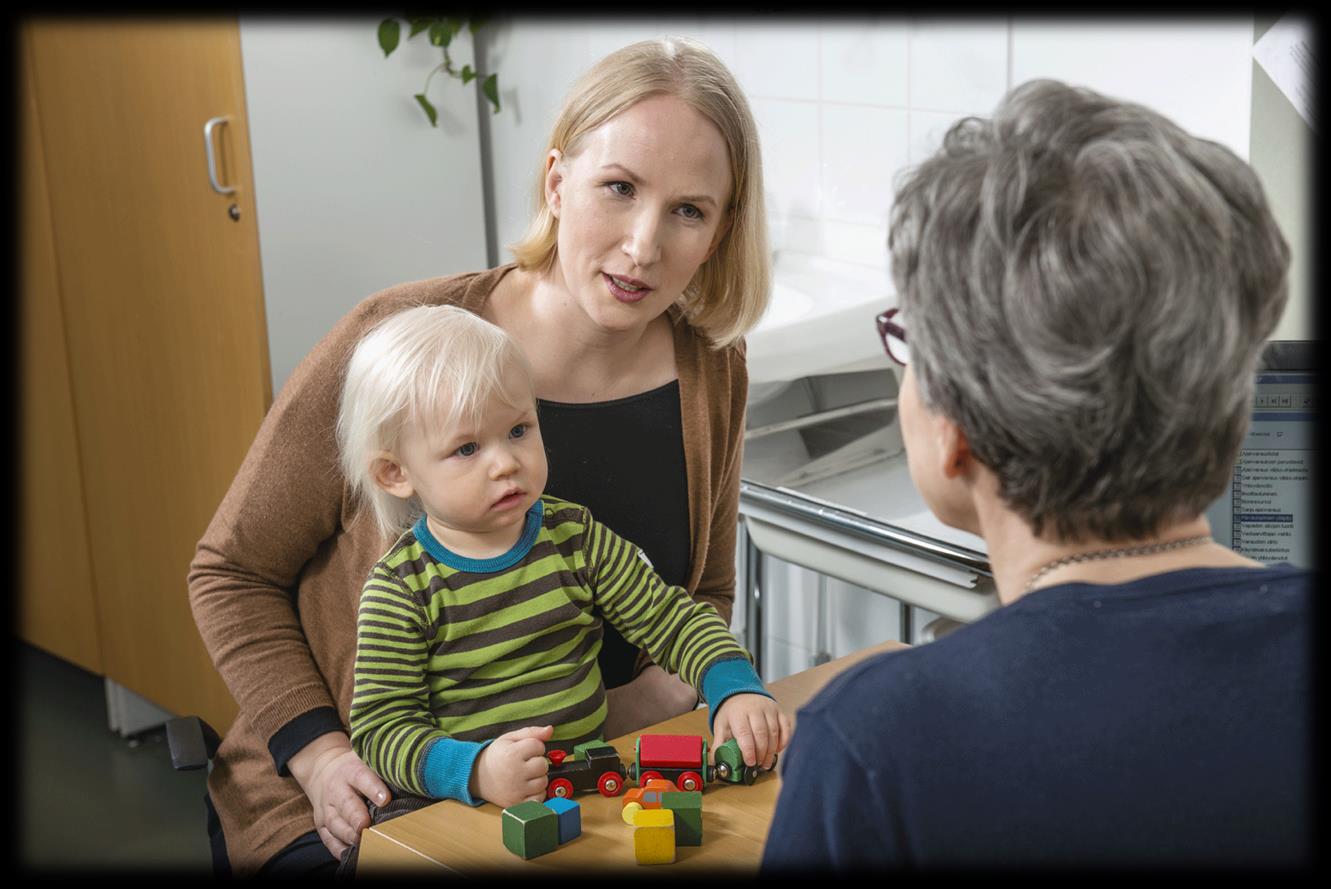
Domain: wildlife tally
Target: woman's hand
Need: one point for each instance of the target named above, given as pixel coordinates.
(653, 696)
(337, 784)
(757, 723)
(512, 767)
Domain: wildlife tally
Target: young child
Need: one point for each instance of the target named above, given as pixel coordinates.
(478, 630)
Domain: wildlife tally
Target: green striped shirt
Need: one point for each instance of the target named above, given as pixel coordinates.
(468, 654)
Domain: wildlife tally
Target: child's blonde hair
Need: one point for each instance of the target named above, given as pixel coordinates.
(418, 370)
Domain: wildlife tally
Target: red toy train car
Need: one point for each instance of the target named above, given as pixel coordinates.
(678, 758)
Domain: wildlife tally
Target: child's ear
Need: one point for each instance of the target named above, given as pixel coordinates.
(390, 475)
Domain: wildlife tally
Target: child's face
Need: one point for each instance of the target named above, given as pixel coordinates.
(476, 482)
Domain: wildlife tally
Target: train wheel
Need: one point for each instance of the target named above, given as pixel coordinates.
(610, 784)
(556, 757)
(560, 787)
(689, 781)
(750, 774)
(647, 776)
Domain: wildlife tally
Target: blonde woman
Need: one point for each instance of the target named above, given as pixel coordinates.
(644, 266)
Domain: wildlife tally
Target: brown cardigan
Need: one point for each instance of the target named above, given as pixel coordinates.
(285, 527)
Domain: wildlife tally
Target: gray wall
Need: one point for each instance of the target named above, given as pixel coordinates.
(355, 190)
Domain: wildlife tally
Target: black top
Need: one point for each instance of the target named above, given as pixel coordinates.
(624, 461)
(1163, 721)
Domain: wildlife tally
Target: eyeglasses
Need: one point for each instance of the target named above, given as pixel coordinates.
(894, 335)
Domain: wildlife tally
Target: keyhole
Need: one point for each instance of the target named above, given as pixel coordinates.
(234, 212)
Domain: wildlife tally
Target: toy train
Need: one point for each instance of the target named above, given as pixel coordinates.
(593, 765)
(680, 759)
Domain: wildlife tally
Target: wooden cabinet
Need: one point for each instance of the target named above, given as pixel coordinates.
(144, 362)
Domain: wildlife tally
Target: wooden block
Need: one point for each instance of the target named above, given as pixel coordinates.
(530, 829)
(569, 814)
(687, 806)
(654, 836)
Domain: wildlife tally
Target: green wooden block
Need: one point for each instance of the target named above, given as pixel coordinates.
(530, 829)
(687, 806)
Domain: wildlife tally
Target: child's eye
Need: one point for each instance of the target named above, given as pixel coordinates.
(467, 449)
(518, 431)
(691, 212)
(623, 189)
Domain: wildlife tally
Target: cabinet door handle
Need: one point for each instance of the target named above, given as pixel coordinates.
(212, 158)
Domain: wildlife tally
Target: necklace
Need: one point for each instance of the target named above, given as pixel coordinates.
(1116, 553)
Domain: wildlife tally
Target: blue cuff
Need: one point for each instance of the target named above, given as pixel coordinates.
(446, 769)
(726, 678)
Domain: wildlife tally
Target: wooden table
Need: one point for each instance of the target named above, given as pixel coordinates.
(451, 836)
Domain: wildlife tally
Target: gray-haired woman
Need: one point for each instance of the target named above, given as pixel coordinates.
(1085, 289)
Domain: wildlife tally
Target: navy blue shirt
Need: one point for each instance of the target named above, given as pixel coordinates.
(1162, 721)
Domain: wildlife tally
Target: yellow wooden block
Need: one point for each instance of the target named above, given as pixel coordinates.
(654, 836)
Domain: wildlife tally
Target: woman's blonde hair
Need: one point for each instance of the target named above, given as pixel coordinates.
(419, 370)
(729, 292)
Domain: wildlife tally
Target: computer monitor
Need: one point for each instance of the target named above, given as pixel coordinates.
(1266, 513)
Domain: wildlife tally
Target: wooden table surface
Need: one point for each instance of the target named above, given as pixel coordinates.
(451, 836)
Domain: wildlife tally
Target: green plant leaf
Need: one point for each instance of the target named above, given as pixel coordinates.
(440, 33)
(389, 34)
(429, 109)
(418, 25)
(468, 75)
(490, 87)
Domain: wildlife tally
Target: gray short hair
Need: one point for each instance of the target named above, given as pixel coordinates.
(1086, 290)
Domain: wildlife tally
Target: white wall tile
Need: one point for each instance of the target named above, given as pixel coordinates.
(1198, 73)
(604, 37)
(720, 37)
(800, 234)
(958, 66)
(778, 60)
(862, 148)
(788, 136)
(858, 243)
(927, 129)
(864, 61)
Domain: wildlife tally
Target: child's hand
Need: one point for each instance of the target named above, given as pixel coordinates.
(757, 723)
(512, 768)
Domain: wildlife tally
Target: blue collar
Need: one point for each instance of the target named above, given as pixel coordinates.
(453, 560)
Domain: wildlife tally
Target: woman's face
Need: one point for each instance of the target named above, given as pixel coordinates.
(641, 205)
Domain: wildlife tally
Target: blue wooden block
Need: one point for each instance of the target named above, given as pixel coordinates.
(570, 817)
